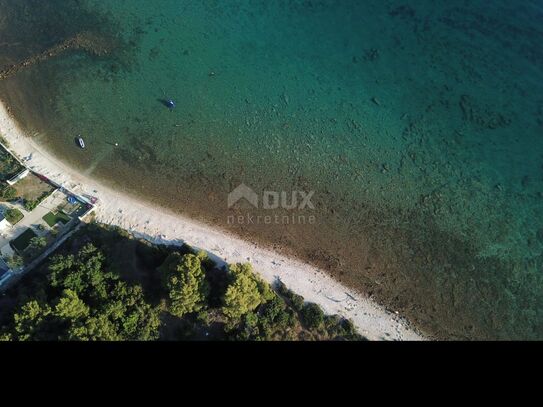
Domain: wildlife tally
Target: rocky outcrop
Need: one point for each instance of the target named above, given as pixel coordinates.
(84, 41)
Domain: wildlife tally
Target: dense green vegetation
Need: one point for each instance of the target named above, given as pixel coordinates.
(15, 261)
(36, 246)
(7, 192)
(103, 284)
(245, 292)
(184, 279)
(9, 166)
(13, 215)
(85, 303)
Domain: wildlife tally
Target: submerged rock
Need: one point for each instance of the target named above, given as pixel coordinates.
(539, 235)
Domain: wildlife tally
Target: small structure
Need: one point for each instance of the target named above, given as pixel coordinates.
(18, 177)
(4, 224)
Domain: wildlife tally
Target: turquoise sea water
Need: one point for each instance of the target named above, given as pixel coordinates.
(419, 125)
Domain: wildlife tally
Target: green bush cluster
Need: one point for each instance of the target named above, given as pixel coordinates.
(30, 205)
(9, 166)
(37, 245)
(270, 321)
(7, 192)
(297, 301)
(15, 261)
(338, 327)
(182, 295)
(85, 303)
(13, 215)
(312, 316)
(245, 292)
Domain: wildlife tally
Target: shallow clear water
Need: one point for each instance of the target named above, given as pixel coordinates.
(418, 125)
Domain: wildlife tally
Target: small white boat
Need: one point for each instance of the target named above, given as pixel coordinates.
(80, 141)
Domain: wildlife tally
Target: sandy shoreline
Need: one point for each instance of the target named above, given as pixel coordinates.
(162, 226)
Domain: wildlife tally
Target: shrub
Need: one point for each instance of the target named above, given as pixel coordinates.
(7, 193)
(312, 316)
(13, 215)
(30, 205)
(204, 317)
(37, 244)
(268, 321)
(271, 310)
(287, 318)
(275, 316)
(248, 329)
(339, 327)
(297, 301)
(281, 288)
(15, 261)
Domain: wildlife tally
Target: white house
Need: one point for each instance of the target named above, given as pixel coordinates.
(4, 224)
(18, 177)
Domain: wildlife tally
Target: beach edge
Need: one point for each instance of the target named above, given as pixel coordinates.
(160, 225)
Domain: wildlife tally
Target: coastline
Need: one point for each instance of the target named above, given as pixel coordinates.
(160, 225)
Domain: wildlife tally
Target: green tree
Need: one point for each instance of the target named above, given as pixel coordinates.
(245, 292)
(124, 316)
(37, 244)
(15, 261)
(97, 328)
(249, 328)
(186, 284)
(134, 318)
(207, 263)
(93, 305)
(71, 307)
(312, 316)
(82, 273)
(296, 300)
(274, 314)
(30, 321)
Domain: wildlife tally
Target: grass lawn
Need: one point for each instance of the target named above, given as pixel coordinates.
(53, 218)
(22, 242)
(13, 215)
